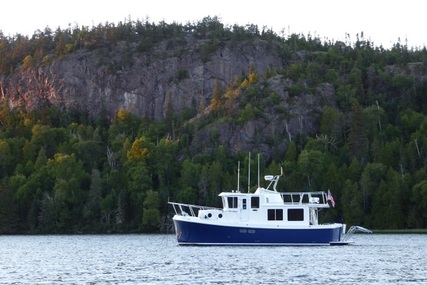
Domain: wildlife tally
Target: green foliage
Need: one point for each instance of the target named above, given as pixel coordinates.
(419, 198)
(180, 75)
(296, 90)
(329, 123)
(311, 163)
(80, 191)
(151, 215)
(9, 219)
(357, 133)
(352, 200)
(247, 114)
(296, 71)
(65, 172)
(92, 210)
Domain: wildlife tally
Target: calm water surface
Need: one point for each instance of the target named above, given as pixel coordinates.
(157, 259)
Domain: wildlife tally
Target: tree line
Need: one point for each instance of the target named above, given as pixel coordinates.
(67, 173)
(72, 172)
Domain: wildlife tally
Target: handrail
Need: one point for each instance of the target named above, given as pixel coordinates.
(352, 230)
(182, 208)
(297, 198)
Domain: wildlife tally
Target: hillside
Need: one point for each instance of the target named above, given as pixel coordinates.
(168, 109)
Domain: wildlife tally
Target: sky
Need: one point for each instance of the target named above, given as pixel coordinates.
(382, 22)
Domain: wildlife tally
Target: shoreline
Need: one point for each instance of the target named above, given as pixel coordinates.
(406, 231)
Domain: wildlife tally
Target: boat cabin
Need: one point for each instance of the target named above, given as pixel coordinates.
(267, 205)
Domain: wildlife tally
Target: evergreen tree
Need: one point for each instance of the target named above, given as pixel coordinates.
(357, 135)
(419, 200)
(91, 211)
(151, 214)
(9, 218)
(352, 204)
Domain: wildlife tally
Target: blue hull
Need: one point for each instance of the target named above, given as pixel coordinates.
(205, 234)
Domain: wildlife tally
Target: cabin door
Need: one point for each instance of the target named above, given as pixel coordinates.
(244, 211)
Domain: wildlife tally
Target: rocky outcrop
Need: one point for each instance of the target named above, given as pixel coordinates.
(139, 82)
(276, 127)
(150, 83)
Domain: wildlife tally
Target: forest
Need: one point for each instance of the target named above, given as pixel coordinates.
(73, 172)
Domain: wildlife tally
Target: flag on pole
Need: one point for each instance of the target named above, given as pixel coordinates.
(330, 198)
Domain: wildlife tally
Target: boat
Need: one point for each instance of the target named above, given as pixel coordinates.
(265, 217)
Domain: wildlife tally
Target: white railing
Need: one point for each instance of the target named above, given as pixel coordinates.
(189, 209)
(345, 237)
(319, 199)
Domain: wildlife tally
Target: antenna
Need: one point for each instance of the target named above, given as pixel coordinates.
(258, 171)
(249, 174)
(238, 176)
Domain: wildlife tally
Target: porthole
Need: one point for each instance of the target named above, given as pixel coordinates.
(220, 216)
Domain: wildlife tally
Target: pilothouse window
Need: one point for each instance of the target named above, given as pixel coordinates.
(232, 202)
(275, 214)
(295, 215)
(255, 202)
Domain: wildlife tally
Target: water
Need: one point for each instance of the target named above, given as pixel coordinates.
(157, 259)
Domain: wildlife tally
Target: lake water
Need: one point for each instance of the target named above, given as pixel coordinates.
(157, 259)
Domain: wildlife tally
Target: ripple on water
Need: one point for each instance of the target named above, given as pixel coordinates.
(157, 259)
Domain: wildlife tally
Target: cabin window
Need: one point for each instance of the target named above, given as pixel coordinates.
(232, 202)
(255, 202)
(295, 215)
(275, 214)
(244, 204)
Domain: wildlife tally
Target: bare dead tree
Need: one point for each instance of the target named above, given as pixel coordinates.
(289, 133)
(418, 149)
(329, 142)
(112, 156)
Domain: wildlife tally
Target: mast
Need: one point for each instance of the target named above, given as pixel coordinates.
(258, 171)
(238, 176)
(249, 174)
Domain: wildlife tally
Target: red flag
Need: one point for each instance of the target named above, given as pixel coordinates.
(330, 198)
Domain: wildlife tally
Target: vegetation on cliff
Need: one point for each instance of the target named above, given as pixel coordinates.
(68, 171)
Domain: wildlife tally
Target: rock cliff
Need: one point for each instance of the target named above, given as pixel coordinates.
(176, 76)
(138, 82)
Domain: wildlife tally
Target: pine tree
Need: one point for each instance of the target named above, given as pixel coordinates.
(357, 134)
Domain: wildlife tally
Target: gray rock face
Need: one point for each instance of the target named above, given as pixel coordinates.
(137, 82)
(147, 84)
(278, 125)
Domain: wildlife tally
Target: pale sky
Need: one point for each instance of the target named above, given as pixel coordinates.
(382, 22)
